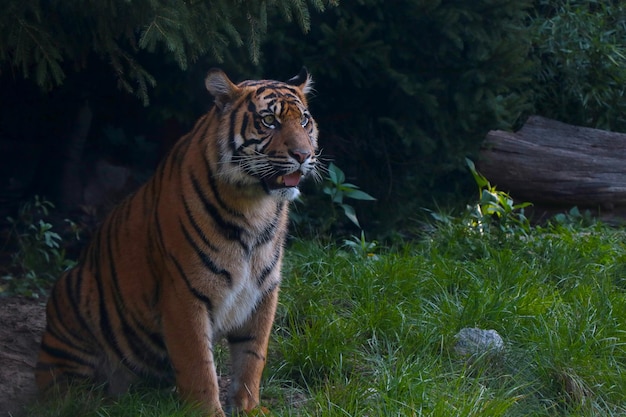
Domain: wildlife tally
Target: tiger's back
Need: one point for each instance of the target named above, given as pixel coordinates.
(193, 255)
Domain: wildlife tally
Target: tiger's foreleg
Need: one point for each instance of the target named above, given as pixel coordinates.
(248, 350)
(187, 332)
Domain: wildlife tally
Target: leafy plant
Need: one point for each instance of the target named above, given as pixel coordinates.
(360, 246)
(574, 218)
(339, 190)
(39, 258)
(495, 208)
(582, 54)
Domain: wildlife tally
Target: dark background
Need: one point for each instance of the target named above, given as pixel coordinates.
(405, 91)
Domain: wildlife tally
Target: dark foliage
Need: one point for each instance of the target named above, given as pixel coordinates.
(407, 89)
(581, 47)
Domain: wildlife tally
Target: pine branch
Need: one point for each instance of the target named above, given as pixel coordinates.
(40, 38)
(35, 46)
(258, 26)
(165, 27)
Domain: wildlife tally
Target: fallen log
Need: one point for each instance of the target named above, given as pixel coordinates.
(553, 163)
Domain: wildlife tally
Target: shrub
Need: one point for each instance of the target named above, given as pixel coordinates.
(40, 257)
(582, 53)
(326, 218)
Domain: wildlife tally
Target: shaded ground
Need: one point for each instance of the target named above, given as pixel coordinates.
(21, 324)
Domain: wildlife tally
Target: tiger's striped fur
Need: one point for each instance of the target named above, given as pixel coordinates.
(194, 255)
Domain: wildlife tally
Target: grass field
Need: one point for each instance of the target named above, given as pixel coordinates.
(373, 334)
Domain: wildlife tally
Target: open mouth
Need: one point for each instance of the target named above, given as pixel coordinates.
(284, 181)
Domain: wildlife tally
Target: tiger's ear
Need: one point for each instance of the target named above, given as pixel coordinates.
(303, 81)
(221, 87)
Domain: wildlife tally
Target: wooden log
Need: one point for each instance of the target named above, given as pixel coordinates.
(549, 162)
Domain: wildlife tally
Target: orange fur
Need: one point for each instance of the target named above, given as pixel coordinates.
(195, 254)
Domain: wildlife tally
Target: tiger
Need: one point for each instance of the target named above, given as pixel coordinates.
(192, 257)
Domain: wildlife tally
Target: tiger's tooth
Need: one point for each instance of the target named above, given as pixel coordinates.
(280, 180)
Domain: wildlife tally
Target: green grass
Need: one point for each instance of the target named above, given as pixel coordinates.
(364, 335)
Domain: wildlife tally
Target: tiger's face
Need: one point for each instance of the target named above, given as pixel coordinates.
(268, 138)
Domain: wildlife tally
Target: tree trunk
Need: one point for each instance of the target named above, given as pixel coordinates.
(553, 163)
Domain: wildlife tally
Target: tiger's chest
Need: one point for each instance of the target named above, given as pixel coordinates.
(237, 303)
(252, 276)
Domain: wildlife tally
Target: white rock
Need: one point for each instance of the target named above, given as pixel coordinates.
(478, 342)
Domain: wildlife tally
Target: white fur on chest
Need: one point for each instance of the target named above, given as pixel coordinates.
(237, 304)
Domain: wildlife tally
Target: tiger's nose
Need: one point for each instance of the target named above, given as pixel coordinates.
(300, 155)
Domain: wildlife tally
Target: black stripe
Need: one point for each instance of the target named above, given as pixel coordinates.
(156, 224)
(151, 301)
(251, 105)
(260, 280)
(269, 231)
(196, 227)
(256, 122)
(60, 332)
(129, 332)
(264, 148)
(272, 105)
(206, 260)
(250, 142)
(229, 230)
(199, 295)
(155, 272)
(105, 324)
(216, 193)
(244, 125)
(64, 355)
(74, 295)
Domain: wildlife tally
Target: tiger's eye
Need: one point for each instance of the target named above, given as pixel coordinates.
(305, 120)
(269, 120)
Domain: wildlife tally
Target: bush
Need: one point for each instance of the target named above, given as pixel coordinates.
(40, 257)
(582, 53)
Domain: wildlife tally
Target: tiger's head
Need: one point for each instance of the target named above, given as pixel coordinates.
(267, 138)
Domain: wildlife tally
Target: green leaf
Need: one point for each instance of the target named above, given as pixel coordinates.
(481, 181)
(487, 197)
(335, 174)
(350, 214)
(338, 196)
(359, 195)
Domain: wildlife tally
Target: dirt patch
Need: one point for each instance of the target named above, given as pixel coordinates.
(21, 324)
